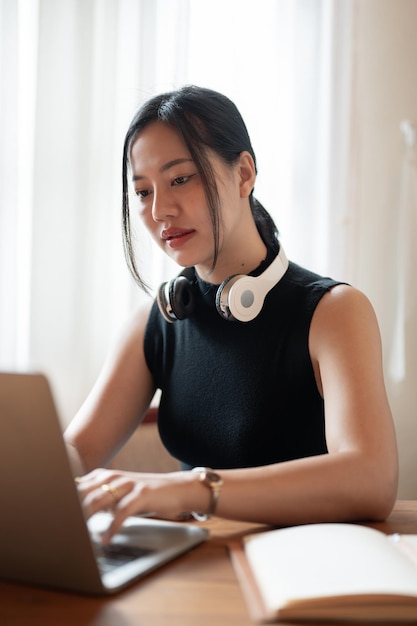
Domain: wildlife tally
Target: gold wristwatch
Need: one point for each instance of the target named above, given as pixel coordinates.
(212, 481)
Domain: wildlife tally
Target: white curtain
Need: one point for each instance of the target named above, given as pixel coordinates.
(404, 340)
(72, 74)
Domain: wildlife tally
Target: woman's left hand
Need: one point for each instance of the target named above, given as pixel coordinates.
(131, 493)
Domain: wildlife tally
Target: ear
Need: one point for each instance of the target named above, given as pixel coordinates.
(247, 173)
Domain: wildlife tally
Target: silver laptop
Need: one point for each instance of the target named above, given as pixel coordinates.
(44, 538)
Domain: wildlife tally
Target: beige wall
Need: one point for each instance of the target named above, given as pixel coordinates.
(384, 76)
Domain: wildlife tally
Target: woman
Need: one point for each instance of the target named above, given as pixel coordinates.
(271, 384)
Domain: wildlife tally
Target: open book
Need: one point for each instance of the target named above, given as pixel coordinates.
(337, 572)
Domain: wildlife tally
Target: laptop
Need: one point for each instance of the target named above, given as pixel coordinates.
(44, 537)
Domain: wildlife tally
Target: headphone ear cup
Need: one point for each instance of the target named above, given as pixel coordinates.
(241, 297)
(222, 297)
(163, 302)
(182, 297)
(176, 299)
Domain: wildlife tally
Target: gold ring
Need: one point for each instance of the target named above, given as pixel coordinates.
(112, 490)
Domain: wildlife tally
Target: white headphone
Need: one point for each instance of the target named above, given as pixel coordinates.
(239, 297)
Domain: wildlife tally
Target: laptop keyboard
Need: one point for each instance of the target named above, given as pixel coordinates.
(114, 555)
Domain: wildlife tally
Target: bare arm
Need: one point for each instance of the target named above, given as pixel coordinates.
(116, 404)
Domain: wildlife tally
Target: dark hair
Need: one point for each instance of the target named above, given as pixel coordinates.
(205, 120)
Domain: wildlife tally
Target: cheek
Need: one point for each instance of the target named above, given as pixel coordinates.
(157, 239)
(153, 229)
(144, 221)
(143, 215)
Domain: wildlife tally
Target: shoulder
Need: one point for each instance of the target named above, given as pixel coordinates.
(139, 319)
(141, 315)
(134, 328)
(344, 301)
(344, 314)
(344, 342)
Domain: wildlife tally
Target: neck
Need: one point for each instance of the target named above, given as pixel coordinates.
(236, 259)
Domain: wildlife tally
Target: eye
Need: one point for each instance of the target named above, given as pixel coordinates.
(181, 180)
(142, 193)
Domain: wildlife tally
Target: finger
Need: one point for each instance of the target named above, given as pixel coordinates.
(110, 488)
(94, 480)
(105, 496)
(125, 508)
(90, 476)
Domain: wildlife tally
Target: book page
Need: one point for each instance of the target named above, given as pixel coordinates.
(327, 560)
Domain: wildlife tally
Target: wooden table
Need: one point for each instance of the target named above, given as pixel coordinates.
(197, 589)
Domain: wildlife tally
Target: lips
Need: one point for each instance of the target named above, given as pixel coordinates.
(169, 235)
(176, 238)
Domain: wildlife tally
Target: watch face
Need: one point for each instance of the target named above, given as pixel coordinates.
(213, 478)
(213, 482)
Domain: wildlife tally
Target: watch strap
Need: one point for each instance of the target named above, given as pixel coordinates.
(212, 481)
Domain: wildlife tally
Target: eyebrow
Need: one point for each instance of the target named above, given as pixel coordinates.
(166, 167)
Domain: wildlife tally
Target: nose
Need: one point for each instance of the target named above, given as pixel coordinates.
(163, 206)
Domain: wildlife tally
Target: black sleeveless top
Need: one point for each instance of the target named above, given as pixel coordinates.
(240, 394)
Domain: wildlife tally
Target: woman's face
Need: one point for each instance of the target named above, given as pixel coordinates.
(171, 198)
